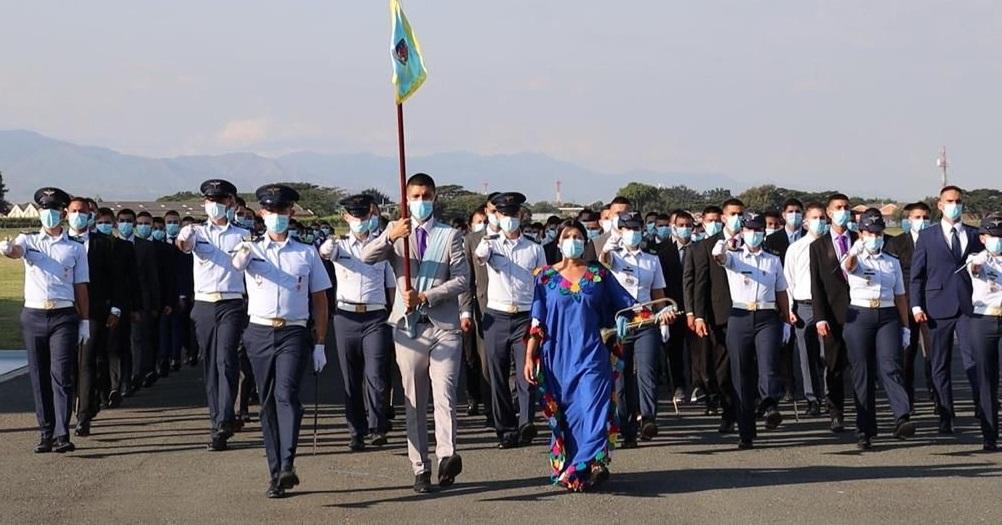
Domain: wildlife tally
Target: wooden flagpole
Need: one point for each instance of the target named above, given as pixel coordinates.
(404, 211)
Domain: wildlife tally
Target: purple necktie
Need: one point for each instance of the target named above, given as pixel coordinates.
(843, 245)
(422, 242)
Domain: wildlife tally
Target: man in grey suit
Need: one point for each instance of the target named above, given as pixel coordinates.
(426, 321)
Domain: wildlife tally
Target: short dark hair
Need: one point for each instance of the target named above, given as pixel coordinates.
(553, 219)
(815, 205)
(713, 209)
(421, 179)
(772, 213)
(126, 211)
(651, 214)
(144, 213)
(792, 202)
(158, 220)
(682, 214)
(91, 202)
(571, 223)
(240, 201)
(79, 199)
(917, 206)
(187, 218)
(732, 202)
(606, 207)
(105, 212)
(619, 199)
(171, 212)
(836, 197)
(950, 187)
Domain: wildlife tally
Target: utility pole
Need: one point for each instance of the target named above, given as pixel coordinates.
(942, 164)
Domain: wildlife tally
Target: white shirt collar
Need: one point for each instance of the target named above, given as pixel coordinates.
(268, 241)
(947, 226)
(57, 238)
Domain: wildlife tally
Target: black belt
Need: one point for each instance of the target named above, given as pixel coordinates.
(803, 302)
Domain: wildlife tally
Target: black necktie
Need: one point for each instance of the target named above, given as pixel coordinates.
(955, 244)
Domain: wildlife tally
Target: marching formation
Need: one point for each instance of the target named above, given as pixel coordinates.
(583, 319)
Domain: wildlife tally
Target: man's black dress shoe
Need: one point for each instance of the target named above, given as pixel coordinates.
(288, 479)
(422, 483)
(275, 491)
(63, 445)
(44, 445)
(448, 469)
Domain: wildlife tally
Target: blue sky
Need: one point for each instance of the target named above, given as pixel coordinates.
(814, 94)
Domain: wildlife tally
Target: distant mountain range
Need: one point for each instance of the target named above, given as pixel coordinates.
(29, 160)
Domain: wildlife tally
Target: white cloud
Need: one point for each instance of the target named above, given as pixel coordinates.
(243, 132)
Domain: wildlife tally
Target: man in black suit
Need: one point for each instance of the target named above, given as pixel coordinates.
(105, 293)
(673, 241)
(478, 384)
(830, 296)
(163, 329)
(902, 247)
(712, 303)
(185, 279)
(146, 300)
(702, 367)
(792, 220)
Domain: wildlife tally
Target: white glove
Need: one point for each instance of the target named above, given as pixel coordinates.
(186, 234)
(719, 248)
(977, 260)
(84, 334)
(612, 245)
(6, 247)
(328, 248)
(857, 248)
(319, 358)
(483, 249)
(906, 337)
(665, 333)
(787, 333)
(242, 255)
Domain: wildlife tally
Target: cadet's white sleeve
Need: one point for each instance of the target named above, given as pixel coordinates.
(319, 280)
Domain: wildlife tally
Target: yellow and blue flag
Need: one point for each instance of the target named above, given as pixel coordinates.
(408, 65)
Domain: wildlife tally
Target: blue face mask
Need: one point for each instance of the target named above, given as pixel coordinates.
(143, 230)
(632, 238)
(277, 223)
(49, 218)
(91, 219)
(215, 210)
(652, 228)
(173, 229)
(919, 225)
(572, 248)
(421, 209)
(247, 224)
(794, 219)
(508, 224)
(594, 233)
(852, 226)
(358, 226)
(125, 229)
(373, 224)
(906, 224)
(734, 223)
(994, 245)
(818, 227)
(840, 217)
(953, 210)
(104, 228)
(158, 235)
(712, 228)
(662, 232)
(78, 220)
(696, 237)
(754, 238)
(230, 214)
(873, 244)
(684, 233)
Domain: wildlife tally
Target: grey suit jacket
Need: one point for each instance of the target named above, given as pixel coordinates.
(449, 287)
(478, 275)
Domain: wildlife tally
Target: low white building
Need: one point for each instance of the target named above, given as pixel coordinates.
(28, 210)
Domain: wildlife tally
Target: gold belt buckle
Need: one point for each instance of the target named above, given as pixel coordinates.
(874, 303)
(752, 307)
(995, 311)
(49, 305)
(215, 296)
(278, 323)
(513, 309)
(361, 308)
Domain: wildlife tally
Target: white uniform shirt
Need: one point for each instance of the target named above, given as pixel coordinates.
(510, 271)
(638, 272)
(52, 265)
(214, 247)
(280, 278)
(797, 270)
(875, 277)
(987, 285)
(357, 282)
(754, 277)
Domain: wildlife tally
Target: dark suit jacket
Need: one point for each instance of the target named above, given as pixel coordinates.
(184, 276)
(106, 288)
(672, 267)
(829, 288)
(778, 243)
(936, 287)
(552, 252)
(125, 255)
(166, 273)
(147, 292)
(688, 278)
(902, 247)
(711, 292)
(477, 298)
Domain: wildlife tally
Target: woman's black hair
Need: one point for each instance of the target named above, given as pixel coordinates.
(571, 223)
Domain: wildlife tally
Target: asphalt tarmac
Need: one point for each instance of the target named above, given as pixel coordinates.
(147, 462)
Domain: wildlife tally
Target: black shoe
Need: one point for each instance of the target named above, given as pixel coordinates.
(218, 444)
(193, 361)
(114, 399)
(473, 409)
(648, 430)
(977, 412)
(838, 424)
(288, 479)
(127, 391)
(489, 422)
(175, 366)
(238, 424)
(356, 444)
(904, 429)
(526, 434)
(63, 445)
(990, 447)
(275, 491)
(391, 412)
(760, 412)
(448, 469)
(378, 439)
(745, 444)
(422, 483)
(83, 428)
(726, 426)
(149, 379)
(945, 425)
(813, 409)
(773, 419)
(599, 475)
(630, 442)
(864, 443)
(163, 371)
(44, 445)
(509, 441)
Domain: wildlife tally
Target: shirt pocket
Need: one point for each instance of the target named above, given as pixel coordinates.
(296, 275)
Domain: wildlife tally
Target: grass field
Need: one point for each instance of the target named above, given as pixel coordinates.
(11, 299)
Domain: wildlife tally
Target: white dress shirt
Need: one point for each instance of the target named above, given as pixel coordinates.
(357, 282)
(280, 278)
(754, 277)
(511, 266)
(797, 269)
(213, 249)
(876, 277)
(948, 234)
(52, 265)
(638, 272)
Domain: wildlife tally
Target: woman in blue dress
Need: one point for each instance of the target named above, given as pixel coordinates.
(574, 370)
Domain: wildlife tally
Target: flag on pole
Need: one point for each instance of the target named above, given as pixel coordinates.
(408, 65)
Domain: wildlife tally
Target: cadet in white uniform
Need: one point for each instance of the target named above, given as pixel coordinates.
(986, 325)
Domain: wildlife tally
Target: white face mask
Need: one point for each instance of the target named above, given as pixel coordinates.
(606, 225)
(478, 227)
